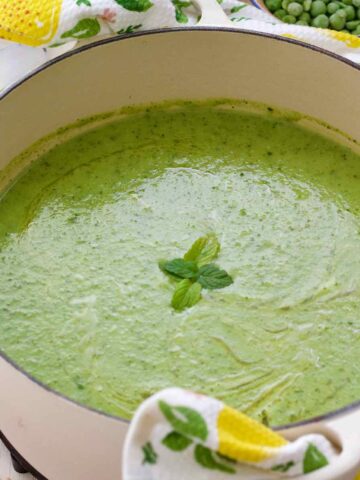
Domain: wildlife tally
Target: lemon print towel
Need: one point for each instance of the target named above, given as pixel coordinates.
(55, 22)
(180, 435)
(32, 22)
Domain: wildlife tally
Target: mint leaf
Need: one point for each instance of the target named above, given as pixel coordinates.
(209, 459)
(87, 27)
(211, 277)
(204, 250)
(194, 272)
(314, 459)
(186, 294)
(176, 441)
(150, 456)
(185, 420)
(135, 5)
(180, 268)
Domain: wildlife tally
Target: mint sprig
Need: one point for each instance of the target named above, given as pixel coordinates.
(204, 250)
(211, 277)
(195, 271)
(180, 268)
(186, 295)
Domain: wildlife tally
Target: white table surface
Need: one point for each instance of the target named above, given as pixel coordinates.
(7, 471)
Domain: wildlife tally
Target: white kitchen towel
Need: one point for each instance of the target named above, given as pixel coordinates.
(180, 435)
(59, 24)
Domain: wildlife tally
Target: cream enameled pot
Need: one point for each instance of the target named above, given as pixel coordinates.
(66, 441)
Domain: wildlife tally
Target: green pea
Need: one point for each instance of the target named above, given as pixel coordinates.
(350, 12)
(357, 31)
(305, 16)
(285, 4)
(296, 9)
(280, 14)
(332, 7)
(289, 19)
(337, 21)
(318, 7)
(321, 21)
(352, 25)
(341, 13)
(358, 13)
(356, 3)
(307, 5)
(303, 23)
(347, 2)
(273, 5)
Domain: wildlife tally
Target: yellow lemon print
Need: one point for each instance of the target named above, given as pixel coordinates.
(351, 41)
(31, 22)
(244, 439)
(290, 35)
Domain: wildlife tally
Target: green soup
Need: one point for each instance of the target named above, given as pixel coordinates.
(85, 308)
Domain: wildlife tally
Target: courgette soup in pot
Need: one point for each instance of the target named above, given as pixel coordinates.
(196, 245)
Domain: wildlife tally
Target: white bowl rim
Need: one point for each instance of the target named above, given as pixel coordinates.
(7, 91)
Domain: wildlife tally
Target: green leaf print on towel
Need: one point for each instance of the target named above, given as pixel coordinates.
(283, 467)
(314, 459)
(211, 460)
(87, 3)
(135, 5)
(176, 441)
(150, 456)
(237, 8)
(189, 423)
(129, 29)
(185, 420)
(87, 27)
(179, 14)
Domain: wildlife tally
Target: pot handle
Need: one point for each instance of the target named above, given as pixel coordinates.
(344, 433)
(212, 15)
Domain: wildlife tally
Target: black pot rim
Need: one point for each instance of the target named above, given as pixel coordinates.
(341, 411)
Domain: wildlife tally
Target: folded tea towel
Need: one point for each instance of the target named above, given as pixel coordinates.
(180, 435)
(52, 23)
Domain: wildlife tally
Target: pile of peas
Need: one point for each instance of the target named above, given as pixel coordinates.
(341, 15)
